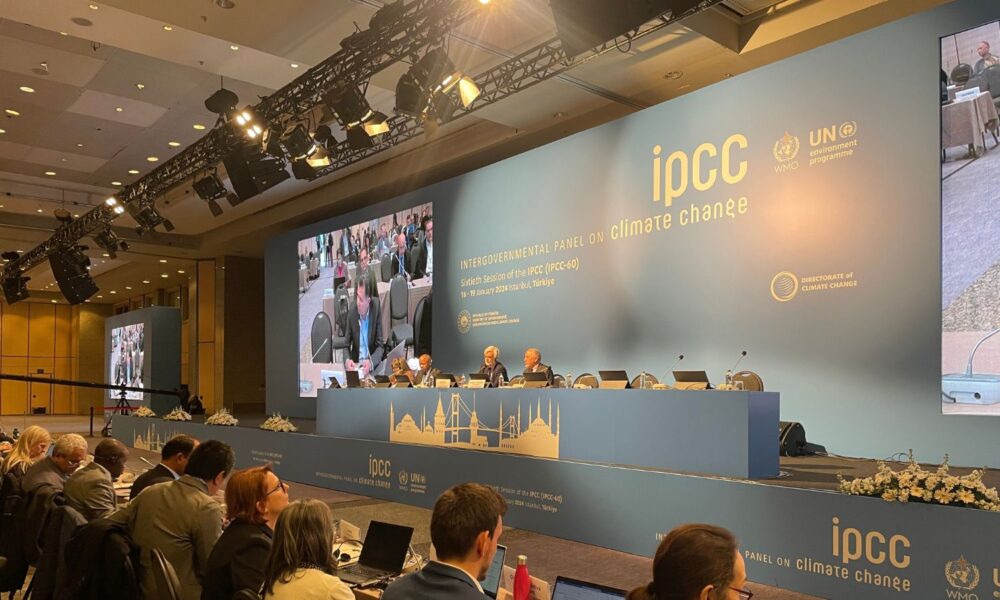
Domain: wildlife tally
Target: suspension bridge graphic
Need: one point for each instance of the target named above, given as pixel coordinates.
(461, 426)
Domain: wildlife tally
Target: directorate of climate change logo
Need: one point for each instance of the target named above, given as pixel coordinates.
(784, 286)
(464, 321)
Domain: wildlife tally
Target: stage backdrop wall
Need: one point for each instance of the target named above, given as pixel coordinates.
(793, 211)
(161, 354)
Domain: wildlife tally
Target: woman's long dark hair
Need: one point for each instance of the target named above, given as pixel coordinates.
(689, 558)
(303, 538)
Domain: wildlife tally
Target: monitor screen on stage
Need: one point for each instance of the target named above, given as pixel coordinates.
(330, 265)
(970, 221)
(126, 361)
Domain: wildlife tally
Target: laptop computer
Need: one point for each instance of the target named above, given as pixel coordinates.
(382, 556)
(353, 379)
(535, 380)
(491, 584)
(382, 381)
(385, 367)
(444, 380)
(575, 589)
(691, 380)
(614, 380)
(478, 380)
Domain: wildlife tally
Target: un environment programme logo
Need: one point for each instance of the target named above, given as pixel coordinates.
(826, 144)
(464, 321)
(784, 286)
(961, 574)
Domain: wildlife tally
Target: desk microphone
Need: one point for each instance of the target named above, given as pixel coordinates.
(742, 356)
(968, 368)
(679, 359)
(143, 459)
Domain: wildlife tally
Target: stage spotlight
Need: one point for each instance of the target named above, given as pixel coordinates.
(223, 102)
(249, 123)
(324, 137)
(358, 139)
(15, 287)
(468, 91)
(62, 215)
(350, 105)
(69, 266)
(297, 143)
(318, 159)
(432, 77)
(115, 206)
(148, 218)
(210, 189)
(378, 123)
(387, 15)
(108, 240)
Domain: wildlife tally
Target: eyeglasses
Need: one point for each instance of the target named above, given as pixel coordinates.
(744, 594)
(281, 486)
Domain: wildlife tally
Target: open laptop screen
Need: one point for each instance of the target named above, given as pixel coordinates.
(385, 546)
(574, 589)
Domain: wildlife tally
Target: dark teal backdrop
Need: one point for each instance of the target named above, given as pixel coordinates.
(825, 266)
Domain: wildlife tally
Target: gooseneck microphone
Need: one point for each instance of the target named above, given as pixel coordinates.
(740, 359)
(679, 359)
(968, 367)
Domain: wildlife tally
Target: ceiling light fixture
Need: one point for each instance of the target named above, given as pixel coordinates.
(50, 173)
(110, 242)
(3, 131)
(27, 90)
(116, 183)
(119, 109)
(198, 126)
(133, 172)
(294, 65)
(152, 158)
(173, 144)
(12, 112)
(145, 281)
(140, 86)
(63, 33)
(163, 260)
(210, 189)
(94, 7)
(148, 218)
(39, 210)
(164, 276)
(671, 75)
(168, 28)
(79, 145)
(234, 47)
(225, 3)
(180, 271)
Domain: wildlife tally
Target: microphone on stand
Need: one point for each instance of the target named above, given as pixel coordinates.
(679, 359)
(968, 367)
(740, 359)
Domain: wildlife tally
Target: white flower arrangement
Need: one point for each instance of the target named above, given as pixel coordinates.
(177, 414)
(914, 484)
(222, 417)
(143, 412)
(278, 423)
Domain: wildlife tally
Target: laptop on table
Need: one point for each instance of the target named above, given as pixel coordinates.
(691, 380)
(382, 556)
(575, 589)
(614, 380)
(536, 380)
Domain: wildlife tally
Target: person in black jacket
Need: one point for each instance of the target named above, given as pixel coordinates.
(364, 329)
(173, 461)
(254, 499)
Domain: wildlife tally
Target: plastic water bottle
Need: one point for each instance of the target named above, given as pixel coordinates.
(522, 580)
(501, 380)
(729, 377)
(569, 381)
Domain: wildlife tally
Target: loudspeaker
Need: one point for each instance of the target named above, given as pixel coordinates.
(586, 24)
(251, 172)
(71, 274)
(792, 440)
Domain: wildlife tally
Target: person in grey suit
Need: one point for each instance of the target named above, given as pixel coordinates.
(465, 529)
(68, 453)
(181, 519)
(533, 364)
(91, 490)
(427, 373)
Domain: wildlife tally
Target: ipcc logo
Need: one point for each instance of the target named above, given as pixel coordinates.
(379, 467)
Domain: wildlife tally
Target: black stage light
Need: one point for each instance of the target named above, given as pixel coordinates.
(69, 266)
(249, 123)
(350, 105)
(357, 139)
(108, 240)
(431, 77)
(209, 187)
(297, 143)
(223, 102)
(376, 124)
(63, 215)
(388, 14)
(410, 96)
(15, 288)
(148, 218)
(324, 137)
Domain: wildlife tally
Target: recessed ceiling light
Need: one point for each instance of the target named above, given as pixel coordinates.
(94, 7)
(673, 75)
(119, 109)
(234, 47)
(128, 287)
(26, 89)
(105, 255)
(116, 183)
(198, 126)
(100, 296)
(152, 158)
(39, 210)
(145, 281)
(50, 173)
(1, 205)
(294, 65)
(167, 28)
(12, 112)
(3, 131)
(75, 215)
(180, 271)
(79, 145)
(164, 276)
(63, 33)
(113, 292)
(173, 144)
(163, 260)
(55, 302)
(140, 86)
(133, 172)
(63, 160)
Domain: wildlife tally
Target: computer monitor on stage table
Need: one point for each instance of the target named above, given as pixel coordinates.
(691, 380)
(574, 589)
(536, 380)
(613, 380)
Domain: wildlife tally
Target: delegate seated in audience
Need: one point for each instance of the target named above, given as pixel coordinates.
(181, 519)
(300, 565)
(533, 364)
(339, 266)
(90, 490)
(254, 499)
(465, 528)
(696, 562)
(986, 58)
(68, 453)
(173, 460)
(400, 258)
(492, 367)
(363, 271)
(29, 449)
(364, 329)
(401, 371)
(425, 252)
(425, 376)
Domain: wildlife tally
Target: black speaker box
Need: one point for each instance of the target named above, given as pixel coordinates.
(586, 24)
(73, 279)
(792, 440)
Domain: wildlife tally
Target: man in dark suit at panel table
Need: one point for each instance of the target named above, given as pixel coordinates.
(364, 328)
(496, 373)
(465, 529)
(173, 462)
(533, 364)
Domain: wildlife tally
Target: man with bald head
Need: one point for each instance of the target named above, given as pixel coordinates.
(533, 364)
(400, 257)
(90, 490)
(986, 58)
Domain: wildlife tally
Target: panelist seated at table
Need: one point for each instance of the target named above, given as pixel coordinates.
(427, 373)
(492, 367)
(533, 364)
(401, 372)
(465, 528)
(400, 258)
(364, 329)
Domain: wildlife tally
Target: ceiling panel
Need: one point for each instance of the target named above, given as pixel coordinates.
(65, 67)
(117, 109)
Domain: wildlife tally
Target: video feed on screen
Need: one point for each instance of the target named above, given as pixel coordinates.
(970, 221)
(127, 360)
(365, 299)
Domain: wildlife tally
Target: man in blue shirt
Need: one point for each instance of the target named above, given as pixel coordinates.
(465, 529)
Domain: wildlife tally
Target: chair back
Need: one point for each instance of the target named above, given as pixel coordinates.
(386, 265)
(644, 381)
(558, 381)
(961, 73)
(322, 335)
(246, 594)
(588, 380)
(992, 76)
(399, 298)
(517, 380)
(418, 320)
(342, 304)
(168, 586)
(751, 381)
(978, 82)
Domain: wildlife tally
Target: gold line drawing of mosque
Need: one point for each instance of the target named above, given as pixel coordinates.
(153, 441)
(445, 429)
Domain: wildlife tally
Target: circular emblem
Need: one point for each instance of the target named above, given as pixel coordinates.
(786, 148)
(464, 321)
(962, 574)
(784, 286)
(403, 477)
(848, 129)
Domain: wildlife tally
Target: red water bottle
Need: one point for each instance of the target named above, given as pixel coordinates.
(522, 581)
